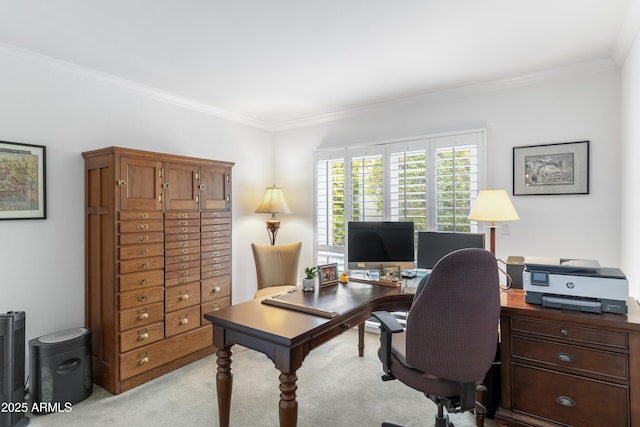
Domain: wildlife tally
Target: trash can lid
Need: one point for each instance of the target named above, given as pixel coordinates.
(69, 334)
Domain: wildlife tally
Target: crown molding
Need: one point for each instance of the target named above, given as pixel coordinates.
(545, 76)
(628, 33)
(584, 68)
(131, 86)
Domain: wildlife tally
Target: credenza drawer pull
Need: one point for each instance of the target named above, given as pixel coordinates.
(142, 298)
(183, 222)
(143, 336)
(143, 361)
(143, 265)
(143, 238)
(216, 289)
(143, 281)
(184, 297)
(143, 227)
(183, 230)
(143, 215)
(184, 320)
(564, 357)
(142, 316)
(142, 251)
(565, 401)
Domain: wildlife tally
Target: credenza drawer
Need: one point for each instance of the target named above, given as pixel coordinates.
(140, 297)
(570, 332)
(182, 321)
(157, 354)
(183, 296)
(568, 399)
(579, 359)
(142, 336)
(141, 316)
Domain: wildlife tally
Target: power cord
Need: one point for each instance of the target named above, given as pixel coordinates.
(506, 275)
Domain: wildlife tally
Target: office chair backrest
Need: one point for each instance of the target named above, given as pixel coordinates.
(458, 308)
(277, 265)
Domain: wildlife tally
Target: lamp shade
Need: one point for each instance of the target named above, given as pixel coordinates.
(273, 202)
(493, 205)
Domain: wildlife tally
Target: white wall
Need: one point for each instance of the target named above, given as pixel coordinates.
(42, 261)
(630, 202)
(582, 107)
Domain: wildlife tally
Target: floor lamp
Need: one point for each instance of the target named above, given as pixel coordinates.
(493, 206)
(273, 202)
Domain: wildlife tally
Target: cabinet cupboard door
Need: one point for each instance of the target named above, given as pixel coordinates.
(181, 182)
(140, 184)
(216, 187)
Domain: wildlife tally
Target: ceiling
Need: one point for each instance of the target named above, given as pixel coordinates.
(273, 63)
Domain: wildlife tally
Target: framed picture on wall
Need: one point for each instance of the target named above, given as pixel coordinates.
(22, 181)
(561, 168)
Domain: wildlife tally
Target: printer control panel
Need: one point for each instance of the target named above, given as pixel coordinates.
(539, 278)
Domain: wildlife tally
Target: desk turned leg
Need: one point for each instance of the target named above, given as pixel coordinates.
(224, 384)
(288, 403)
(361, 339)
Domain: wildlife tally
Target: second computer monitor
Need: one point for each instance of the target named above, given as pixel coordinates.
(433, 245)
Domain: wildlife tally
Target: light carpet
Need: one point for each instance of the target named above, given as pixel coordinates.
(335, 388)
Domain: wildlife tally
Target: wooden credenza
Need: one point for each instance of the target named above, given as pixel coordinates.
(158, 256)
(566, 368)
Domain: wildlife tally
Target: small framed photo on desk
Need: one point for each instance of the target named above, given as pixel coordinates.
(328, 274)
(390, 273)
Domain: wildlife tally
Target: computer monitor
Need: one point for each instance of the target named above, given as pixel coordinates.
(433, 245)
(382, 243)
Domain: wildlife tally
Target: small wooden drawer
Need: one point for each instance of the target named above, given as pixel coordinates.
(182, 296)
(153, 355)
(195, 270)
(141, 297)
(214, 273)
(568, 399)
(225, 259)
(182, 280)
(182, 237)
(216, 288)
(215, 214)
(216, 234)
(581, 360)
(182, 251)
(211, 243)
(183, 230)
(185, 222)
(144, 279)
(143, 237)
(185, 265)
(182, 321)
(570, 333)
(141, 251)
(140, 316)
(142, 264)
(216, 305)
(214, 267)
(143, 336)
(140, 226)
(216, 227)
(140, 216)
(170, 247)
(182, 258)
(182, 215)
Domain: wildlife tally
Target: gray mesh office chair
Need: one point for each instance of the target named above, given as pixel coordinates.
(451, 333)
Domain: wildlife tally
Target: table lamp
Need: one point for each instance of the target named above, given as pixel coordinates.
(492, 206)
(273, 202)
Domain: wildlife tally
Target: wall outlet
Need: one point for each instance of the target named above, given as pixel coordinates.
(504, 228)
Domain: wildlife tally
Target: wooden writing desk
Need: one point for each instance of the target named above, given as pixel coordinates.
(286, 336)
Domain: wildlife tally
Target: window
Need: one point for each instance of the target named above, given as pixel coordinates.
(431, 181)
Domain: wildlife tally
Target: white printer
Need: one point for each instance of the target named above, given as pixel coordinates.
(574, 284)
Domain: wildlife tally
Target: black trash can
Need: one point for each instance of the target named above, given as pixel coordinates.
(60, 370)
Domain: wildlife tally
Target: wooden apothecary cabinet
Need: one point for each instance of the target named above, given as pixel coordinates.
(158, 256)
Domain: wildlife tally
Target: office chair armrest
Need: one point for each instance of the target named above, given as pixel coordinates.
(388, 326)
(388, 323)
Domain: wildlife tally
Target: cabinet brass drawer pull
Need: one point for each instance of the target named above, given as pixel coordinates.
(143, 265)
(183, 222)
(142, 251)
(143, 281)
(184, 321)
(183, 230)
(183, 215)
(142, 298)
(143, 316)
(143, 361)
(565, 401)
(143, 215)
(564, 357)
(216, 289)
(143, 238)
(183, 237)
(143, 227)
(184, 297)
(143, 337)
